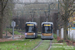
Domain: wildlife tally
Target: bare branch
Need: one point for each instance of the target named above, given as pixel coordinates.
(72, 13)
(70, 10)
(2, 0)
(61, 4)
(63, 0)
(5, 5)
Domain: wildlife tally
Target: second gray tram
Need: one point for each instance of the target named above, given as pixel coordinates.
(31, 30)
(47, 31)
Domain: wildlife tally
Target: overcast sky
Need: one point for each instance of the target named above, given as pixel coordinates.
(38, 0)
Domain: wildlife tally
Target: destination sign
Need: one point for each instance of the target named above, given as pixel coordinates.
(47, 25)
(30, 24)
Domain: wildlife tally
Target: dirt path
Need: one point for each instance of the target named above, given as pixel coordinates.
(9, 37)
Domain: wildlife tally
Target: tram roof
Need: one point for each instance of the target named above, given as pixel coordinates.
(47, 23)
(31, 23)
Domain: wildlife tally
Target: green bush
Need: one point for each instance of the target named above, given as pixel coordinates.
(3, 32)
(10, 30)
(60, 41)
(18, 29)
(55, 36)
(17, 33)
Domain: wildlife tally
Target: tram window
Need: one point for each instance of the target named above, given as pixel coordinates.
(30, 29)
(47, 29)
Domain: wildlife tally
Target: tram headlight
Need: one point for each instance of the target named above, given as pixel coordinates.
(34, 33)
(25, 34)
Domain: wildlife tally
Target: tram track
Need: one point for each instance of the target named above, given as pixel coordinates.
(50, 45)
(38, 45)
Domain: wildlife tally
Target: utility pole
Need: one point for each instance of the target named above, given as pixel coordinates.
(48, 12)
(17, 21)
(58, 8)
(22, 12)
(32, 15)
(46, 16)
(58, 13)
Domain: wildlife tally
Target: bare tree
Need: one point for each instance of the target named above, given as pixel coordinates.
(3, 4)
(4, 9)
(67, 12)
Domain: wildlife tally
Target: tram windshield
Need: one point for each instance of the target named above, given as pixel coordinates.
(30, 29)
(47, 29)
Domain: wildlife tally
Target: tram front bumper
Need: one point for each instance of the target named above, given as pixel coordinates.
(30, 36)
(47, 37)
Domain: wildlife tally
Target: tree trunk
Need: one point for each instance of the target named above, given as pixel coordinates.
(1, 24)
(65, 31)
(66, 21)
(1, 19)
(1, 27)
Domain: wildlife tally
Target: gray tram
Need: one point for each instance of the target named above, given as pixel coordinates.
(31, 30)
(47, 31)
